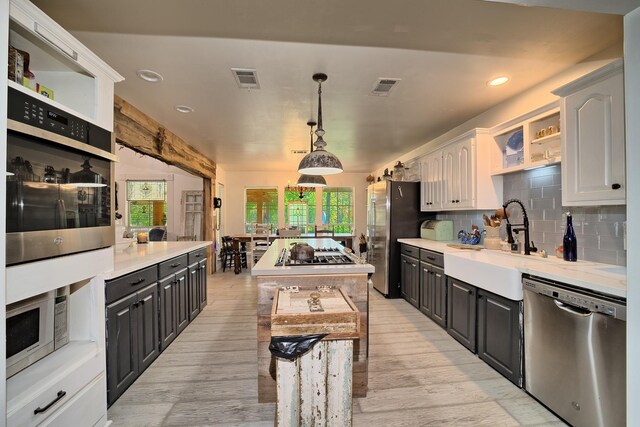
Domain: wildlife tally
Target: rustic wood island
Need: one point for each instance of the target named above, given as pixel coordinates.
(351, 278)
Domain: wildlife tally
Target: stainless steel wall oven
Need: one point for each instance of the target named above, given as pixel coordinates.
(59, 182)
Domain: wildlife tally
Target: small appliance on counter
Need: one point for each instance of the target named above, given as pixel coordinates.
(437, 229)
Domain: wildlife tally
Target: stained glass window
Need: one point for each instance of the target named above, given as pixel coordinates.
(147, 204)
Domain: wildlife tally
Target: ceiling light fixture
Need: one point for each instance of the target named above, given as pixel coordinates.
(184, 109)
(498, 81)
(149, 76)
(311, 180)
(320, 161)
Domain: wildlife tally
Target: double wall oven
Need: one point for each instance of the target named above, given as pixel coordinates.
(60, 176)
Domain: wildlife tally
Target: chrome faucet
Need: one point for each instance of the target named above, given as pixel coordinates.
(528, 248)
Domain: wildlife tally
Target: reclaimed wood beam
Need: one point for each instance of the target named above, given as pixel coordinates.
(138, 131)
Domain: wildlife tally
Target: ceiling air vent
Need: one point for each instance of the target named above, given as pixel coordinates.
(382, 87)
(299, 151)
(246, 78)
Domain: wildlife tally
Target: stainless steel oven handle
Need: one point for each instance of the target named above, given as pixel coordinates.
(572, 309)
(61, 213)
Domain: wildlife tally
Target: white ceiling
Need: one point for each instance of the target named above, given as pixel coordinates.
(443, 50)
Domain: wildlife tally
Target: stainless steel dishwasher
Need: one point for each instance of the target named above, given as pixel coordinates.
(575, 352)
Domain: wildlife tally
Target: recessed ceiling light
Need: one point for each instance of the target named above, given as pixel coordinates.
(184, 109)
(498, 81)
(149, 76)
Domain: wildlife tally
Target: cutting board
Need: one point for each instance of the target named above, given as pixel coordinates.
(463, 246)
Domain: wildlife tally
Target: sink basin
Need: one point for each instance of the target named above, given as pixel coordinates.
(494, 272)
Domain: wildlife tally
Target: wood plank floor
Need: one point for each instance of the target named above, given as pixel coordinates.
(418, 374)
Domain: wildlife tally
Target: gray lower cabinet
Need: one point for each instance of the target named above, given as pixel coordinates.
(202, 283)
(461, 313)
(193, 284)
(499, 334)
(410, 279)
(182, 301)
(170, 307)
(433, 294)
(132, 338)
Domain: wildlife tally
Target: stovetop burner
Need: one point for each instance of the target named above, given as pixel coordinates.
(322, 256)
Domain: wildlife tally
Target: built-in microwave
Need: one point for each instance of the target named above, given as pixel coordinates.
(59, 179)
(36, 327)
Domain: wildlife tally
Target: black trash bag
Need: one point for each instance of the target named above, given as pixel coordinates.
(292, 347)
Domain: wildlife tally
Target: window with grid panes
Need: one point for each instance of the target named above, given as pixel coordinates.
(147, 204)
(261, 206)
(300, 212)
(337, 208)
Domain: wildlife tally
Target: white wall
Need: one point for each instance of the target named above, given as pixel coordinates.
(132, 165)
(632, 110)
(518, 105)
(237, 182)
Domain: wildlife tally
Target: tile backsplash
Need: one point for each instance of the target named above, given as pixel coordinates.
(599, 229)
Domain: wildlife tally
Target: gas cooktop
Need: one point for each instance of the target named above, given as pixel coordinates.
(322, 256)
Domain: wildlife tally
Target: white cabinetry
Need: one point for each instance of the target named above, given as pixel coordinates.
(82, 83)
(458, 176)
(593, 149)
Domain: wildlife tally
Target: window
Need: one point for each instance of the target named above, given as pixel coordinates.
(337, 208)
(147, 204)
(300, 208)
(261, 206)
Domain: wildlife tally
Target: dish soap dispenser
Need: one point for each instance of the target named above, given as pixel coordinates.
(569, 244)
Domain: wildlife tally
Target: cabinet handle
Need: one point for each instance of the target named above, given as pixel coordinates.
(137, 282)
(175, 264)
(457, 201)
(615, 186)
(40, 410)
(470, 291)
(54, 41)
(432, 258)
(453, 201)
(137, 303)
(438, 275)
(413, 265)
(198, 255)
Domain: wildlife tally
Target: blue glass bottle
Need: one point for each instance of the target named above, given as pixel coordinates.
(569, 243)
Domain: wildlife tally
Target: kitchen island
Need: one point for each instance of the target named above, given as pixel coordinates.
(352, 278)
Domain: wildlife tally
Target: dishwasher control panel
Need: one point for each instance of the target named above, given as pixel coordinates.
(592, 303)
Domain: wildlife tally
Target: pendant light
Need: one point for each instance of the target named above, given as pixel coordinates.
(320, 161)
(311, 180)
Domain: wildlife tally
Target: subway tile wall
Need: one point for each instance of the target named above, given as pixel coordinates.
(599, 229)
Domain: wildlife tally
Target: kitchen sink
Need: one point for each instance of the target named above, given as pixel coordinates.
(496, 272)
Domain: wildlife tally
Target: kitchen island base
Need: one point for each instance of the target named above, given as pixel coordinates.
(354, 285)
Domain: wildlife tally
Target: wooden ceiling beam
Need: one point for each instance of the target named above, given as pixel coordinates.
(138, 131)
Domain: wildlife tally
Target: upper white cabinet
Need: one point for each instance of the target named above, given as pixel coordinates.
(458, 176)
(593, 148)
(79, 82)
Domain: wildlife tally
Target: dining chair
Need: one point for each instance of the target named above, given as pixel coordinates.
(259, 240)
(326, 232)
(157, 234)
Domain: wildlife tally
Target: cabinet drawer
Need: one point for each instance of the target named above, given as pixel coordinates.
(172, 266)
(197, 255)
(84, 409)
(431, 257)
(57, 393)
(412, 251)
(133, 282)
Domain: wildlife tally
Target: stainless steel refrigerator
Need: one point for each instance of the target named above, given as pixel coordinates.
(393, 212)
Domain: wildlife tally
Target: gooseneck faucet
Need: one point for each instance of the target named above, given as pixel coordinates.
(528, 248)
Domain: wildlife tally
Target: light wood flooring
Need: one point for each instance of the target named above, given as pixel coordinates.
(418, 374)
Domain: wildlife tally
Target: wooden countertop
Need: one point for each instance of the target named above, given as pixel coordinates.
(143, 255)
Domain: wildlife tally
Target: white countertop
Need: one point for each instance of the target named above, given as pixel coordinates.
(143, 255)
(603, 278)
(265, 266)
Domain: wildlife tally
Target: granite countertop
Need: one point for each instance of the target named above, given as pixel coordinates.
(265, 266)
(139, 256)
(604, 278)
